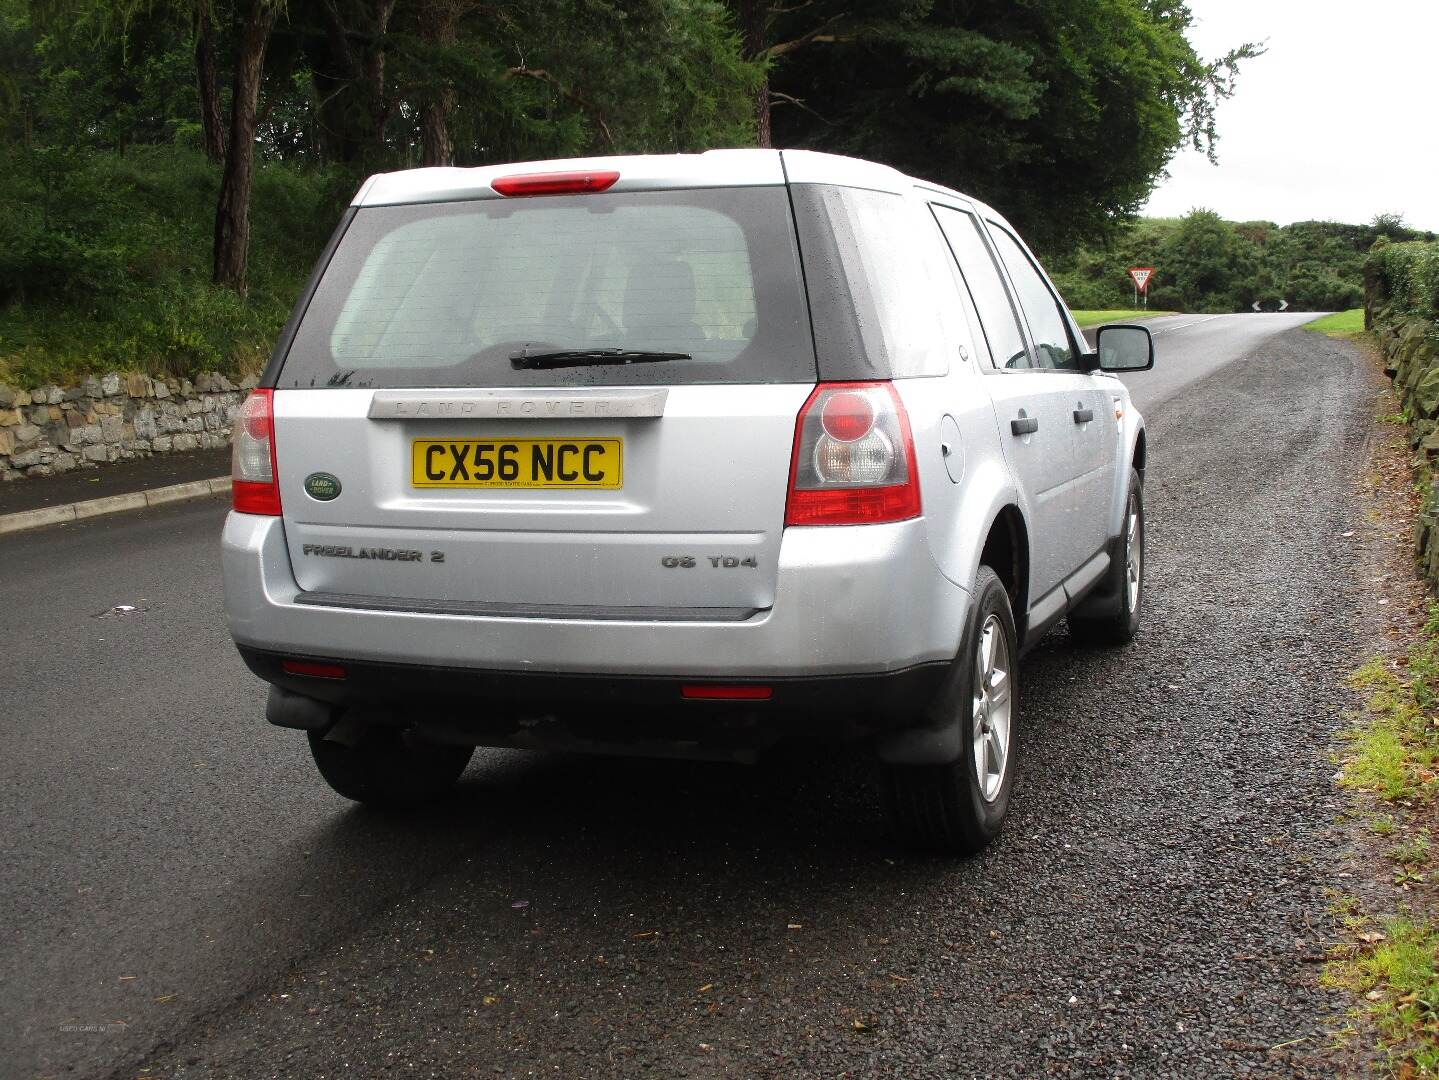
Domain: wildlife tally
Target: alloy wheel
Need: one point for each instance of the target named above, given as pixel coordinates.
(1134, 553)
(992, 708)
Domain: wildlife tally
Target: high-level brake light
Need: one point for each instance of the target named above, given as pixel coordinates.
(853, 461)
(254, 484)
(555, 183)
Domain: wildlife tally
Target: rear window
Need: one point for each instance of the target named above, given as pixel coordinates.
(449, 294)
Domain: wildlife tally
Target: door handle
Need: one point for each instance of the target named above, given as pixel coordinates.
(1083, 416)
(1025, 425)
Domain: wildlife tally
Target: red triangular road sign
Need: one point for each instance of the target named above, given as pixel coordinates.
(1141, 276)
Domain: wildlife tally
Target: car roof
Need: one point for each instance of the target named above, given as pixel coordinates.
(648, 172)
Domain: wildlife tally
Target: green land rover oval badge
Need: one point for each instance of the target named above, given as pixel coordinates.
(322, 486)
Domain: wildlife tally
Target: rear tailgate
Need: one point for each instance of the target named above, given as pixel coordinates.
(572, 405)
(693, 530)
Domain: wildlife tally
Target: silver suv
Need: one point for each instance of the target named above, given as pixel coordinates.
(679, 455)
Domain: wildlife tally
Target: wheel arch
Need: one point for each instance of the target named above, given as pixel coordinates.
(1135, 456)
(1006, 551)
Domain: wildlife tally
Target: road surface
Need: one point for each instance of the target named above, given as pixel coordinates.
(183, 897)
(1190, 347)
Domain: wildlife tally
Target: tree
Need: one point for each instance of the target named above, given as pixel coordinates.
(232, 214)
(644, 75)
(1062, 114)
(755, 17)
(346, 46)
(1211, 267)
(440, 22)
(370, 84)
(94, 76)
(207, 82)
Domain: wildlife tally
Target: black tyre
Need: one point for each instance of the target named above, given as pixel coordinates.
(1112, 618)
(386, 767)
(959, 807)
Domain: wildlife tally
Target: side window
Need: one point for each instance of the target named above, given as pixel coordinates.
(1041, 307)
(991, 298)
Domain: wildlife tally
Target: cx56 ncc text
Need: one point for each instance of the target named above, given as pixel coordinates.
(680, 455)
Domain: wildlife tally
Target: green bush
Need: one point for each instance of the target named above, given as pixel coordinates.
(1082, 293)
(105, 262)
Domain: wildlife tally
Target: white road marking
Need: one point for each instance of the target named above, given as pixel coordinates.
(1191, 322)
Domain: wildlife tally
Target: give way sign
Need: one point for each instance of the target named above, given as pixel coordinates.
(1141, 276)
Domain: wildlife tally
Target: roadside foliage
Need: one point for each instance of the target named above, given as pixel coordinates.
(1206, 264)
(168, 172)
(1388, 954)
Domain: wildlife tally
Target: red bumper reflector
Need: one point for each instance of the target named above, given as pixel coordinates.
(313, 669)
(557, 183)
(726, 693)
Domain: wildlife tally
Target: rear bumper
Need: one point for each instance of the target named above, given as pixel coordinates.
(867, 600)
(633, 716)
(464, 698)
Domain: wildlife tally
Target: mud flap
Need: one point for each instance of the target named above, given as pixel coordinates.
(940, 740)
(1107, 597)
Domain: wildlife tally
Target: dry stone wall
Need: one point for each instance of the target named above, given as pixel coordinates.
(114, 417)
(1401, 306)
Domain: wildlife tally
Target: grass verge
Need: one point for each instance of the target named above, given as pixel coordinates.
(1341, 324)
(1087, 319)
(1392, 963)
(1394, 971)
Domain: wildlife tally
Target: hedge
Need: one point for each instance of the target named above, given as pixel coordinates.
(1404, 278)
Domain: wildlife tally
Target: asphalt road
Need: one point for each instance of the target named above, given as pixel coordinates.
(182, 896)
(1190, 347)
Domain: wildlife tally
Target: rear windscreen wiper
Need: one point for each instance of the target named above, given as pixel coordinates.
(585, 357)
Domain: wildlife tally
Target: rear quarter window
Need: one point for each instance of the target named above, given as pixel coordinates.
(447, 294)
(879, 288)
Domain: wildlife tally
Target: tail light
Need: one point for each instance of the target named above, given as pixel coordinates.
(853, 458)
(255, 484)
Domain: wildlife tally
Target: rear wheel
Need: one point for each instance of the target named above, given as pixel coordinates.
(387, 767)
(1118, 621)
(959, 807)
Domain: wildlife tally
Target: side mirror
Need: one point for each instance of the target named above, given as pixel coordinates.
(1124, 348)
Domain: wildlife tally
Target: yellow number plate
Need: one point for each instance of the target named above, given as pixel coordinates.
(517, 463)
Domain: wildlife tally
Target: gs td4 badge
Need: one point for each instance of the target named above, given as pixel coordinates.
(689, 562)
(322, 486)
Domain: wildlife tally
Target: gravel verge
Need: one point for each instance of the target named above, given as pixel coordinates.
(1156, 907)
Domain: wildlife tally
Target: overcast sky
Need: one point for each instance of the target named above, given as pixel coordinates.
(1338, 121)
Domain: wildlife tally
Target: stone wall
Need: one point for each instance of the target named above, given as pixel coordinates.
(114, 417)
(1401, 306)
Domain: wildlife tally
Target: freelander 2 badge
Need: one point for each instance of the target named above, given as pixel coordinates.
(322, 486)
